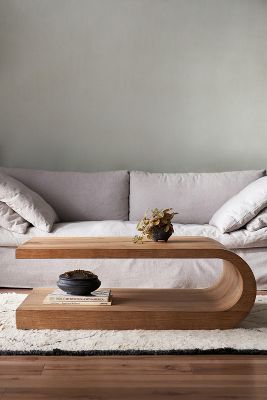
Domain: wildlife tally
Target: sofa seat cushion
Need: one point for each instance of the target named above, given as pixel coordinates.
(238, 239)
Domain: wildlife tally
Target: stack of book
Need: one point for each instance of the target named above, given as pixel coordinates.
(97, 298)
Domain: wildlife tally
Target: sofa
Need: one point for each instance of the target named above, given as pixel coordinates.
(111, 203)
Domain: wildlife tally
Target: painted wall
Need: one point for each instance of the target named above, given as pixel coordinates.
(159, 85)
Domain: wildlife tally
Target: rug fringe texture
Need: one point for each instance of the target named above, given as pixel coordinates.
(93, 353)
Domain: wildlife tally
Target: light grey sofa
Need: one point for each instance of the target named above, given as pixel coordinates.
(110, 203)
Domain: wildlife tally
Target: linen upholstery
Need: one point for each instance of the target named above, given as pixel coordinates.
(241, 208)
(258, 222)
(128, 272)
(79, 196)
(11, 220)
(27, 203)
(195, 196)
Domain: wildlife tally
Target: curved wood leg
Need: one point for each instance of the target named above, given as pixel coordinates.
(223, 305)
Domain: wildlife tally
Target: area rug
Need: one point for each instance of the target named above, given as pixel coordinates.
(249, 338)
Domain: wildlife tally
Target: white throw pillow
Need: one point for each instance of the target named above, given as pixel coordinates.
(259, 222)
(11, 220)
(241, 208)
(28, 204)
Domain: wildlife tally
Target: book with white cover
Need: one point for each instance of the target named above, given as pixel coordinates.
(98, 297)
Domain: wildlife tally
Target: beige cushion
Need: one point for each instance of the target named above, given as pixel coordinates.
(28, 204)
(241, 208)
(11, 220)
(258, 222)
(79, 196)
(195, 196)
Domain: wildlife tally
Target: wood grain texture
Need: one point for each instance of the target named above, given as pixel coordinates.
(120, 247)
(131, 378)
(221, 306)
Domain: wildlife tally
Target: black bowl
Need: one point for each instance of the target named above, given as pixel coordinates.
(160, 234)
(78, 287)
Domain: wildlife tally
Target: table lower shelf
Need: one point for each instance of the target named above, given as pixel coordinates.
(133, 309)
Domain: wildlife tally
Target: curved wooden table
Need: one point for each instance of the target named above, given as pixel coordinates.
(221, 306)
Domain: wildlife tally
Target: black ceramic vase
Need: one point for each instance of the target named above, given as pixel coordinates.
(78, 282)
(161, 234)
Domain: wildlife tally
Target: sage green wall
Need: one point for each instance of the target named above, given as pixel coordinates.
(159, 85)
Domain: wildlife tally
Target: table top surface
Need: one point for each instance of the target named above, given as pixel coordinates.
(119, 247)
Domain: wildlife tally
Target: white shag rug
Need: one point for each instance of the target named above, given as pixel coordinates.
(251, 335)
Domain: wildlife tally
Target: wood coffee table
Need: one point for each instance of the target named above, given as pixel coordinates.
(220, 306)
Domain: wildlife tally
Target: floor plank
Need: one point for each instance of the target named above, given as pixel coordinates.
(140, 394)
(142, 377)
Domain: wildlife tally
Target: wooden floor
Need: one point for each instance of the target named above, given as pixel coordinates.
(142, 377)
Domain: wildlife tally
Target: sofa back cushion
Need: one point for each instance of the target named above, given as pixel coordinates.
(79, 196)
(195, 196)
